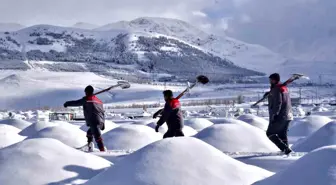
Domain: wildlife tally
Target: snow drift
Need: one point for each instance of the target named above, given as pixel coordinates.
(18, 123)
(308, 125)
(185, 160)
(254, 120)
(47, 161)
(9, 135)
(315, 168)
(237, 138)
(67, 134)
(198, 123)
(130, 137)
(323, 137)
(109, 125)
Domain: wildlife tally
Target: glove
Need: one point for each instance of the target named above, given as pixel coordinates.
(65, 104)
(157, 128)
(102, 126)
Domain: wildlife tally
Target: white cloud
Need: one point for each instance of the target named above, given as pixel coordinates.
(199, 13)
(306, 24)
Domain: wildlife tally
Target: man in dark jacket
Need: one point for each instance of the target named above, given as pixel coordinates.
(280, 113)
(94, 116)
(172, 115)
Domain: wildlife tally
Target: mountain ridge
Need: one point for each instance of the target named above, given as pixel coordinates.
(168, 49)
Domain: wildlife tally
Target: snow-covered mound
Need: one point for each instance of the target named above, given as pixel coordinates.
(189, 131)
(36, 127)
(315, 168)
(198, 123)
(9, 129)
(186, 161)
(323, 137)
(308, 125)
(109, 125)
(237, 138)
(254, 120)
(7, 139)
(9, 135)
(69, 135)
(18, 123)
(130, 137)
(47, 161)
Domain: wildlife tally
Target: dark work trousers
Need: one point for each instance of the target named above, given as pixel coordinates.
(277, 133)
(173, 133)
(94, 132)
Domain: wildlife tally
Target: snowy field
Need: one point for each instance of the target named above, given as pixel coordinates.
(37, 89)
(224, 144)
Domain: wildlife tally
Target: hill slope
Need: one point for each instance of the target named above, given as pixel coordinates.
(249, 56)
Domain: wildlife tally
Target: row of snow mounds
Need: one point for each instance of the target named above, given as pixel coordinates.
(47, 161)
(237, 138)
(130, 137)
(315, 168)
(308, 125)
(18, 123)
(9, 135)
(323, 137)
(109, 125)
(181, 160)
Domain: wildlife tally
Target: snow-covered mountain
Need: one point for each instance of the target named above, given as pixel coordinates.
(6, 27)
(125, 54)
(249, 56)
(84, 25)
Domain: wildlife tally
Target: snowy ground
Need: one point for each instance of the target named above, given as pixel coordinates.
(224, 144)
(36, 89)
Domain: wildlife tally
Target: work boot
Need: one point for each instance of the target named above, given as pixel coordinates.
(90, 147)
(287, 151)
